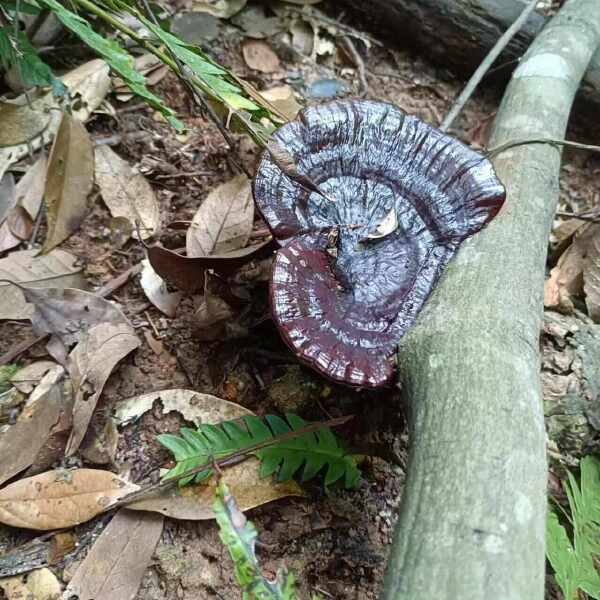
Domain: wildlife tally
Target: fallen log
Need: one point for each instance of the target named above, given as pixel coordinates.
(472, 517)
(459, 33)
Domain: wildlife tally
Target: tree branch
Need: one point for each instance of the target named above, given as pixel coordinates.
(472, 519)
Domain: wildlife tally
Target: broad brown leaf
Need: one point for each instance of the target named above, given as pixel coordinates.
(68, 313)
(69, 182)
(126, 192)
(20, 443)
(60, 498)
(114, 567)
(90, 364)
(22, 121)
(223, 222)
(58, 269)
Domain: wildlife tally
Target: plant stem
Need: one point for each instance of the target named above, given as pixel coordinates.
(489, 60)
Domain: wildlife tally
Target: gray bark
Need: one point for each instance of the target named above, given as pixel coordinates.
(459, 33)
(472, 518)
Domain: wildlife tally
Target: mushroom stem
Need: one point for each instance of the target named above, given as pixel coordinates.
(472, 519)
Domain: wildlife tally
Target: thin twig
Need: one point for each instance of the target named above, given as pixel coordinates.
(350, 48)
(232, 459)
(581, 217)
(552, 142)
(489, 60)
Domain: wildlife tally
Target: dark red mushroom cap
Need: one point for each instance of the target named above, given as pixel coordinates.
(355, 267)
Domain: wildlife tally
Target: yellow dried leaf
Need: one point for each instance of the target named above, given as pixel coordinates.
(60, 498)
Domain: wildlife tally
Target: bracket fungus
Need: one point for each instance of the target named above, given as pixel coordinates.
(357, 261)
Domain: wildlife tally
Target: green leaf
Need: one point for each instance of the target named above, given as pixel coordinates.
(24, 7)
(308, 453)
(573, 562)
(32, 70)
(201, 65)
(239, 537)
(118, 58)
(6, 372)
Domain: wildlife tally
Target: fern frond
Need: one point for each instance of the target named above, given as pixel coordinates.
(308, 453)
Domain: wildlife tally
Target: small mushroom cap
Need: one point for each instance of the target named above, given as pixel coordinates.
(355, 267)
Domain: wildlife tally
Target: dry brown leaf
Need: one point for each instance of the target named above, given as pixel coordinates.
(114, 567)
(284, 99)
(193, 406)
(88, 85)
(566, 280)
(70, 313)
(591, 276)
(223, 222)
(99, 446)
(69, 182)
(20, 444)
(195, 502)
(8, 195)
(90, 364)
(20, 223)
(213, 313)
(40, 584)
(126, 192)
(57, 269)
(60, 498)
(156, 291)
(259, 56)
(30, 189)
(22, 120)
(28, 377)
(8, 202)
(187, 273)
(219, 8)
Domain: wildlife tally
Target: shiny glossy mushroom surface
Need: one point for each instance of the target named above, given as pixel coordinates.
(356, 264)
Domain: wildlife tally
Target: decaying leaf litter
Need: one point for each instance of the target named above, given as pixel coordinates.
(211, 340)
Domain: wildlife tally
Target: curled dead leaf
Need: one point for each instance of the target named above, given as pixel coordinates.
(156, 290)
(61, 498)
(187, 273)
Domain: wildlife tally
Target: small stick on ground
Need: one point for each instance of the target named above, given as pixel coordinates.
(489, 60)
(356, 58)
